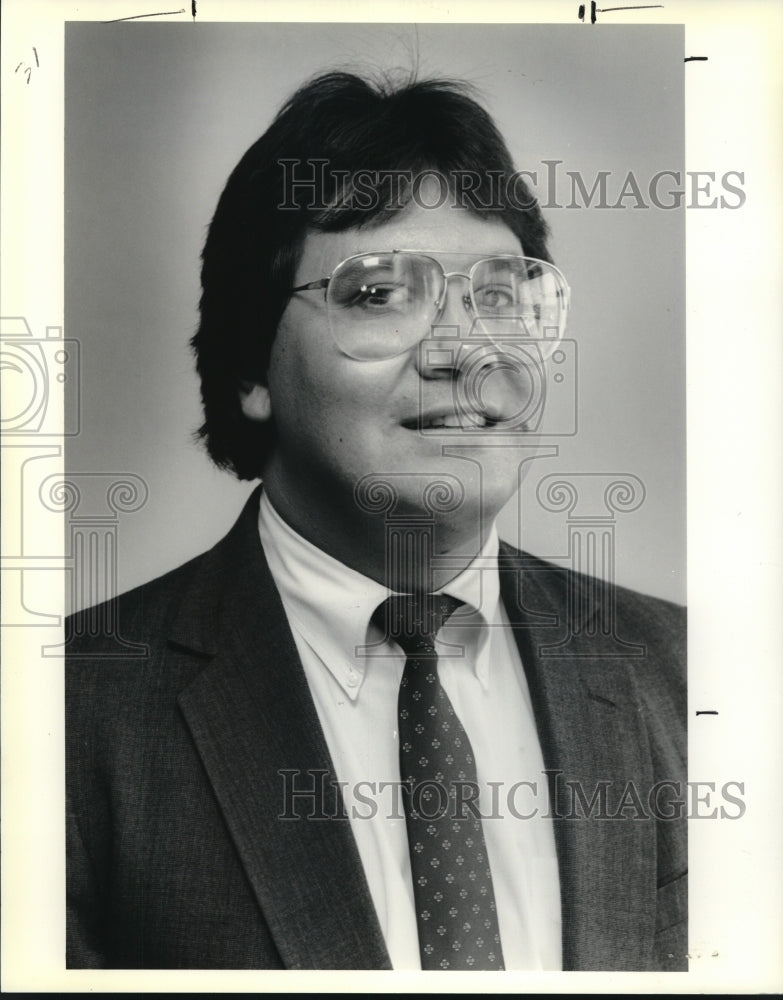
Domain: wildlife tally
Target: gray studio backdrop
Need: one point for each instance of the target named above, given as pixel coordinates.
(156, 116)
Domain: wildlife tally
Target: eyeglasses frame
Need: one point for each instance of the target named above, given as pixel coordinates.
(467, 300)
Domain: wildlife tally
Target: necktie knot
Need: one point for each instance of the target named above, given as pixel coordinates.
(413, 620)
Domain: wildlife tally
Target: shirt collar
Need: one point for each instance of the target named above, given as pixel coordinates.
(331, 605)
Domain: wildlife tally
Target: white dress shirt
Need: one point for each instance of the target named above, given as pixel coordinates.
(354, 677)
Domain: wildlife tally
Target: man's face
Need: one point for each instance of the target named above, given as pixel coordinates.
(338, 419)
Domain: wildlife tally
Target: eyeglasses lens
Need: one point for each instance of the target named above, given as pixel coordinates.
(382, 304)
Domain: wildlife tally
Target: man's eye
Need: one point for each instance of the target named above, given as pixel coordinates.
(377, 296)
(494, 297)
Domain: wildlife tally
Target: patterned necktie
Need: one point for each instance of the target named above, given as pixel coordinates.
(452, 882)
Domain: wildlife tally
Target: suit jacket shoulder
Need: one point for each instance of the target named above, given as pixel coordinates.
(596, 616)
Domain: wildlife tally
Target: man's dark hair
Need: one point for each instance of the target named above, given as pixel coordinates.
(350, 125)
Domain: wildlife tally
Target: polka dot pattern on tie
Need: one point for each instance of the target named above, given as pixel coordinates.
(452, 881)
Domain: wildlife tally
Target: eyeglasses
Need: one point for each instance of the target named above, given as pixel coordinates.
(381, 304)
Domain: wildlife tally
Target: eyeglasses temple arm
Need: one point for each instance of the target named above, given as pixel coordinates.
(311, 285)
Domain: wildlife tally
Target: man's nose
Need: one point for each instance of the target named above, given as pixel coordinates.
(440, 353)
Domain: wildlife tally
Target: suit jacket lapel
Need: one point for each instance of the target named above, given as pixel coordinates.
(252, 717)
(592, 739)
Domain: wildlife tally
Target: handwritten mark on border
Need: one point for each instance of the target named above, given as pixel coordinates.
(28, 70)
(595, 9)
(136, 17)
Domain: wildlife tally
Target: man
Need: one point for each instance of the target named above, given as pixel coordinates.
(366, 734)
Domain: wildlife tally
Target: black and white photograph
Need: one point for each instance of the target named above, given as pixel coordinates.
(362, 461)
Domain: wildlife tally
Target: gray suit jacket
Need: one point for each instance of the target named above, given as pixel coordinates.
(176, 733)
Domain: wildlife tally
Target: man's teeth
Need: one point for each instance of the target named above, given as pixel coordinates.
(457, 420)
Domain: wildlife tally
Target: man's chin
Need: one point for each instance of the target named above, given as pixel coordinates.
(452, 493)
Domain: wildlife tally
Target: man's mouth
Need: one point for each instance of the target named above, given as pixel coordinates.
(467, 420)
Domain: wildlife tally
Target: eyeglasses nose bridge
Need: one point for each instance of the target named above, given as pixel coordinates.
(467, 301)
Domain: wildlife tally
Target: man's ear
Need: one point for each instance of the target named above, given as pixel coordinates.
(255, 401)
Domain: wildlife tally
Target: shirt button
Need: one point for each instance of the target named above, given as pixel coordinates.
(352, 680)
